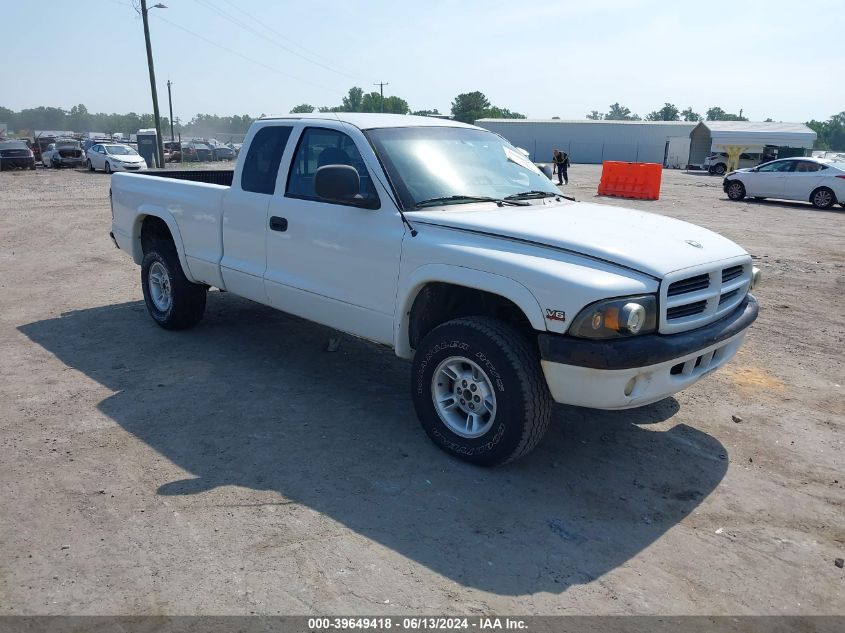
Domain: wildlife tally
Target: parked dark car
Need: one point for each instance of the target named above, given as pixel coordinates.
(173, 151)
(89, 142)
(197, 151)
(222, 152)
(16, 155)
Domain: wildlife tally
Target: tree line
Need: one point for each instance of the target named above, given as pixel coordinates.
(466, 107)
(669, 112)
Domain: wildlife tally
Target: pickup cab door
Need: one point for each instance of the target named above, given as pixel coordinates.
(245, 208)
(329, 262)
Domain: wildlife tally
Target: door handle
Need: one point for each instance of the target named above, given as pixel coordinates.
(278, 224)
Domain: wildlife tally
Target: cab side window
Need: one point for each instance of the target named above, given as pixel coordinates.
(319, 147)
(261, 165)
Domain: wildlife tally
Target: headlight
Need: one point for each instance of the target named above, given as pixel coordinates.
(614, 318)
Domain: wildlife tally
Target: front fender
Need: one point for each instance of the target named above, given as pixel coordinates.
(410, 287)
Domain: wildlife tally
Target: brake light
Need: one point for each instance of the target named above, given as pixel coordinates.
(842, 176)
(30, 153)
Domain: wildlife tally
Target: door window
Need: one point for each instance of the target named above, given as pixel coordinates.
(778, 166)
(805, 166)
(262, 161)
(319, 147)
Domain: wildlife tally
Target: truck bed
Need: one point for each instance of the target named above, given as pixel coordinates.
(209, 176)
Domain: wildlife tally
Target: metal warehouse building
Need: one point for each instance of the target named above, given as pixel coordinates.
(587, 141)
(675, 144)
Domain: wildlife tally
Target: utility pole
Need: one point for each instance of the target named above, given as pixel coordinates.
(144, 11)
(381, 86)
(170, 103)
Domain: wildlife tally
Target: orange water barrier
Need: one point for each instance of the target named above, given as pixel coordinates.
(630, 180)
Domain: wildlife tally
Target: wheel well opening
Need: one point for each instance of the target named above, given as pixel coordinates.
(437, 303)
(154, 230)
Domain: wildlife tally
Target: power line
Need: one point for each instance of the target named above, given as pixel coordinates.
(284, 37)
(238, 22)
(242, 56)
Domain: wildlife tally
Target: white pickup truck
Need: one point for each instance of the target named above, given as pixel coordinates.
(444, 242)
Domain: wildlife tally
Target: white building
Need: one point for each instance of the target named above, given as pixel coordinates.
(587, 141)
(782, 139)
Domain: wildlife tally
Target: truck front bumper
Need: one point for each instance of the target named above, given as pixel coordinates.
(632, 372)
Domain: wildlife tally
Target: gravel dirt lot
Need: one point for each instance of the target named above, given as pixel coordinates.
(240, 467)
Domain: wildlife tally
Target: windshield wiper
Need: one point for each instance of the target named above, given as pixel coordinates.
(534, 193)
(467, 199)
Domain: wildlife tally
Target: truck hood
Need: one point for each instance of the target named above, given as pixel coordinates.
(646, 242)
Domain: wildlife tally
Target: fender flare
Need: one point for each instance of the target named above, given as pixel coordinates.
(495, 284)
(162, 214)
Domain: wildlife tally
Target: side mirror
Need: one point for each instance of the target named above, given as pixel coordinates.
(337, 182)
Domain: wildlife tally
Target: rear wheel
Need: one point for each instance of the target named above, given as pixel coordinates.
(736, 190)
(719, 169)
(823, 198)
(172, 300)
(479, 391)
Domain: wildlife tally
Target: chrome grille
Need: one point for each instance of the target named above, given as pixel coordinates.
(695, 297)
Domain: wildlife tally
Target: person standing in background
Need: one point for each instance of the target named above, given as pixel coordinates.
(561, 165)
(557, 165)
(565, 168)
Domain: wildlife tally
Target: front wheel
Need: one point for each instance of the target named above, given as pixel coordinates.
(479, 391)
(823, 198)
(90, 165)
(736, 190)
(107, 168)
(719, 169)
(173, 302)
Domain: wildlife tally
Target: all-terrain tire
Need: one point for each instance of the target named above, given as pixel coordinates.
(736, 190)
(186, 304)
(512, 366)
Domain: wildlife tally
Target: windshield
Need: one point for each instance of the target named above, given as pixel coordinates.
(429, 163)
(119, 150)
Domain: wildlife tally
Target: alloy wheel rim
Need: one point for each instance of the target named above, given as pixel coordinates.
(160, 289)
(823, 198)
(463, 397)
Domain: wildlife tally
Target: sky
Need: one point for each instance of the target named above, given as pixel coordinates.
(772, 59)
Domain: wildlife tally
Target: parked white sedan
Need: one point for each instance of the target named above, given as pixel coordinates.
(113, 157)
(820, 181)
